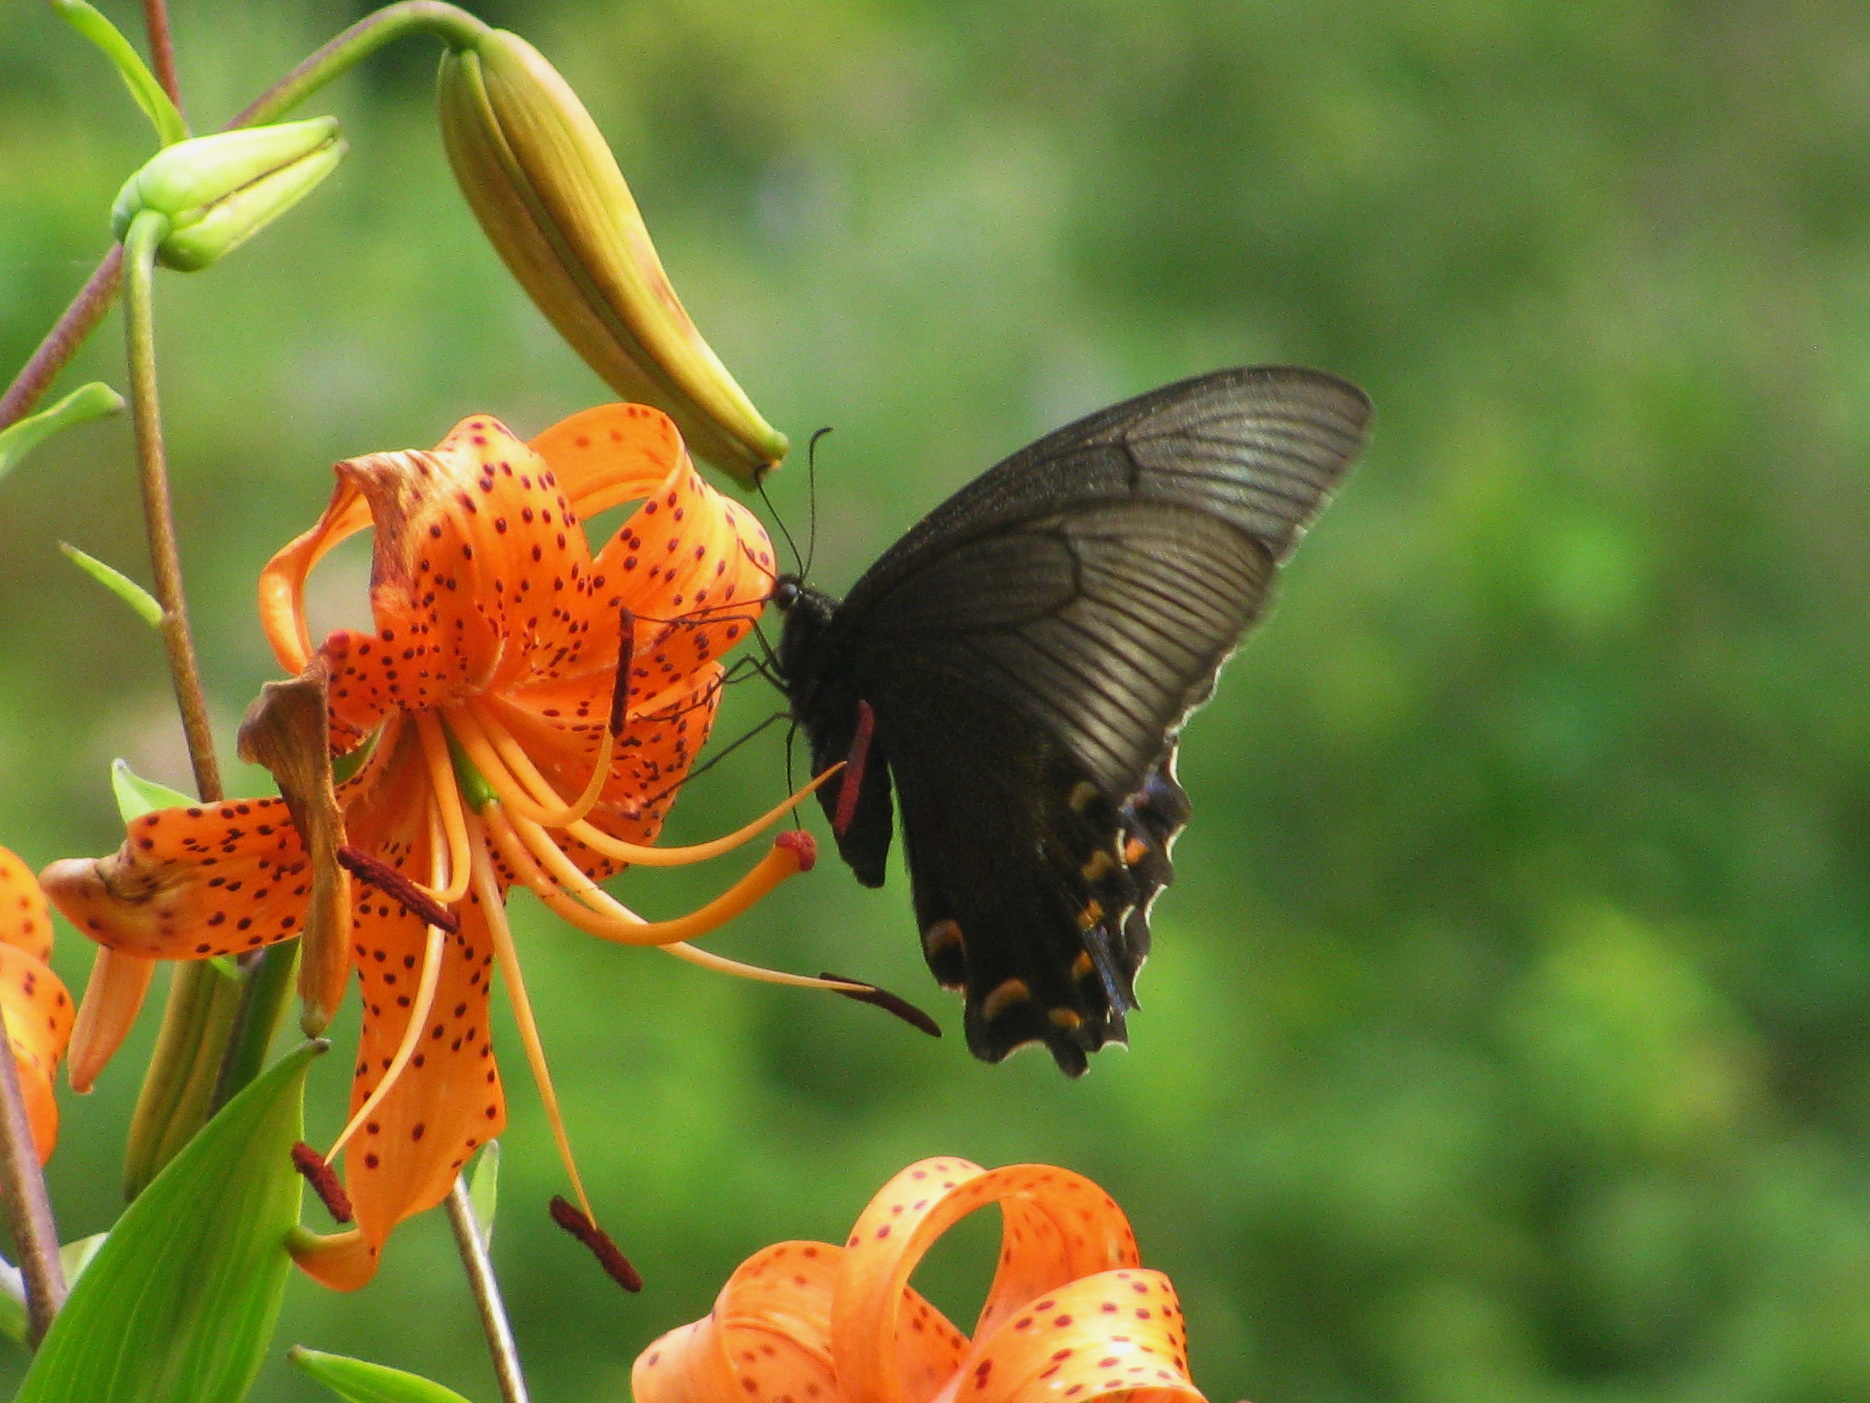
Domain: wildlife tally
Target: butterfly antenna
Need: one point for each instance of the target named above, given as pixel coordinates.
(781, 521)
(811, 499)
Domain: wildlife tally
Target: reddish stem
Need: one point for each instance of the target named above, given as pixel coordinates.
(162, 48)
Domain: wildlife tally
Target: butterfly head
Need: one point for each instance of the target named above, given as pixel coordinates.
(802, 642)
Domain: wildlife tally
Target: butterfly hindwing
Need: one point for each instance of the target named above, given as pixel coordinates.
(1030, 652)
(1046, 947)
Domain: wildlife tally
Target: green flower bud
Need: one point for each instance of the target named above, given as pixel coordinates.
(546, 189)
(219, 191)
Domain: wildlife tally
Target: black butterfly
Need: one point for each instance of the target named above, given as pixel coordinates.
(1022, 662)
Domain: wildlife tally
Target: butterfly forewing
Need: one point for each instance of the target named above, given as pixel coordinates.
(1030, 652)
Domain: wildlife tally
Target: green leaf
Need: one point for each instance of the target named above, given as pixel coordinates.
(484, 1189)
(137, 796)
(83, 404)
(140, 600)
(181, 1300)
(136, 76)
(359, 1382)
(74, 1257)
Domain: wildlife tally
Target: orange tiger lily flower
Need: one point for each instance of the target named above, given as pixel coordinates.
(1071, 1313)
(38, 1010)
(530, 711)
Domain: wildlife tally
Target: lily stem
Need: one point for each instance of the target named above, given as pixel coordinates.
(486, 1288)
(455, 27)
(139, 257)
(28, 1207)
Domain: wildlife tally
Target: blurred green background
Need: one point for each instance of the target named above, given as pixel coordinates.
(1508, 1035)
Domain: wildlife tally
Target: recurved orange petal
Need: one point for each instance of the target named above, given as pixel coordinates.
(37, 1007)
(767, 1337)
(1109, 1334)
(189, 883)
(1056, 1226)
(282, 582)
(612, 454)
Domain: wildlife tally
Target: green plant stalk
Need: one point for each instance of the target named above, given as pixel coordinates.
(139, 257)
(455, 27)
(28, 1208)
(486, 1287)
(178, 1090)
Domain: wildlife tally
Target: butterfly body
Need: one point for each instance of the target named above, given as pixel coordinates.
(1027, 656)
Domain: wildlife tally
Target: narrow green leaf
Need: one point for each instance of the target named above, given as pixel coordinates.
(484, 1189)
(137, 796)
(130, 67)
(358, 1382)
(83, 404)
(181, 1300)
(140, 600)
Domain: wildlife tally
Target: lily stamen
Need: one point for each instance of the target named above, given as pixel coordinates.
(397, 886)
(564, 875)
(507, 957)
(447, 800)
(609, 1256)
(639, 856)
(323, 1181)
(759, 974)
(792, 852)
(493, 745)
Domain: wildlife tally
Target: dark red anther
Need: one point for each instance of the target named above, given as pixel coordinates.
(324, 1181)
(801, 845)
(609, 1256)
(626, 655)
(851, 782)
(396, 886)
(888, 1002)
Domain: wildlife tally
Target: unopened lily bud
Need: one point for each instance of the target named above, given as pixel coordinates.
(219, 191)
(547, 191)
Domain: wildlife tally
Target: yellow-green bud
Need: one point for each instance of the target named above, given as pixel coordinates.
(547, 191)
(219, 191)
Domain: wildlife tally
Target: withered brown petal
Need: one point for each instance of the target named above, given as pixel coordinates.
(285, 730)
